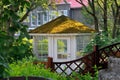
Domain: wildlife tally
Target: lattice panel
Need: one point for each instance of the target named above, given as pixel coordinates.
(81, 65)
(86, 63)
(68, 68)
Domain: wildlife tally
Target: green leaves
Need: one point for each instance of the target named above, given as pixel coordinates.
(26, 68)
(12, 13)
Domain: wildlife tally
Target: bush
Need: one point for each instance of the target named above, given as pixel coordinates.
(4, 48)
(20, 49)
(27, 68)
(101, 40)
(87, 76)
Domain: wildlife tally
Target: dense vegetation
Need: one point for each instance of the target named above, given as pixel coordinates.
(14, 47)
(25, 67)
(101, 40)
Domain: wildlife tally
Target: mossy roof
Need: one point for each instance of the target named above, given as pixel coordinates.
(63, 24)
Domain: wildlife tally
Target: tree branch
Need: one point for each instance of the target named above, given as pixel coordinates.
(81, 2)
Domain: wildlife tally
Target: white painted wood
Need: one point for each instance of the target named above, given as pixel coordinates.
(62, 35)
(68, 49)
(73, 47)
(52, 47)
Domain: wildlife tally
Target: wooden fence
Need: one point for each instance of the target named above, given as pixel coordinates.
(98, 57)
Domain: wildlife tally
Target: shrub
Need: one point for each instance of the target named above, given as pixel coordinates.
(87, 76)
(27, 68)
(101, 40)
(20, 49)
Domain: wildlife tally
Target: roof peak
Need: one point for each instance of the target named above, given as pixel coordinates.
(63, 24)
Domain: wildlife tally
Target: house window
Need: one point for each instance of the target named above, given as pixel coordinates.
(45, 17)
(42, 46)
(39, 20)
(63, 12)
(81, 43)
(33, 19)
(52, 15)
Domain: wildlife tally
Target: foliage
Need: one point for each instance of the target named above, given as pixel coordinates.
(4, 47)
(87, 76)
(101, 40)
(12, 14)
(20, 49)
(3, 66)
(103, 14)
(27, 68)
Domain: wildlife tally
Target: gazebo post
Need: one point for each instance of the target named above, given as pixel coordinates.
(50, 63)
(96, 55)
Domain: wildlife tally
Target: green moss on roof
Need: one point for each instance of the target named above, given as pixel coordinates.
(63, 24)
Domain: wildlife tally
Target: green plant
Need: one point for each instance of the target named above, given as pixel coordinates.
(3, 66)
(20, 49)
(4, 48)
(100, 39)
(27, 68)
(87, 76)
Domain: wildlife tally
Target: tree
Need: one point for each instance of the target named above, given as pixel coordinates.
(105, 14)
(12, 14)
(116, 18)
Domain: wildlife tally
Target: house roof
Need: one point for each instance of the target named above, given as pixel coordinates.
(73, 3)
(62, 24)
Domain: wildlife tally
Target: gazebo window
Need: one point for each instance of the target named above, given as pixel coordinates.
(42, 48)
(62, 49)
(82, 42)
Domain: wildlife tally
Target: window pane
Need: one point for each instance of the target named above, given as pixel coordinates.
(45, 17)
(81, 43)
(33, 19)
(62, 49)
(43, 48)
(52, 15)
(62, 12)
(39, 18)
(61, 46)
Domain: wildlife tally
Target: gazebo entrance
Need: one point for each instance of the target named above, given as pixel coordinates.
(62, 49)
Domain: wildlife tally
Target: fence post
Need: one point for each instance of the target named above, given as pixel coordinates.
(50, 63)
(96, 50)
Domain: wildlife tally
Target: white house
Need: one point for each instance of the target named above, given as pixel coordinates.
(61, 38)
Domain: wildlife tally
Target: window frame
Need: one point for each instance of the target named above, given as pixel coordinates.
(40, 12)
(32, 19)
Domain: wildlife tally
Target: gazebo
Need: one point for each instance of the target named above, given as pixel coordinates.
(62, 38)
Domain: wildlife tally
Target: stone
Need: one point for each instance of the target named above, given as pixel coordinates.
(113, 71)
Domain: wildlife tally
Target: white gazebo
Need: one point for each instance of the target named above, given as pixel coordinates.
(61, 38)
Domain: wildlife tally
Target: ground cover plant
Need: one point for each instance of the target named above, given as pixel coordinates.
(26, 68)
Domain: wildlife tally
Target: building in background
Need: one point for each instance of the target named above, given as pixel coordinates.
(69, 8)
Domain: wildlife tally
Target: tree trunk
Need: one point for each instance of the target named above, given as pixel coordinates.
(105, 17)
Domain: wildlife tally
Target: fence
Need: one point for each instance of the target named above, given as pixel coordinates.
(98, 57)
